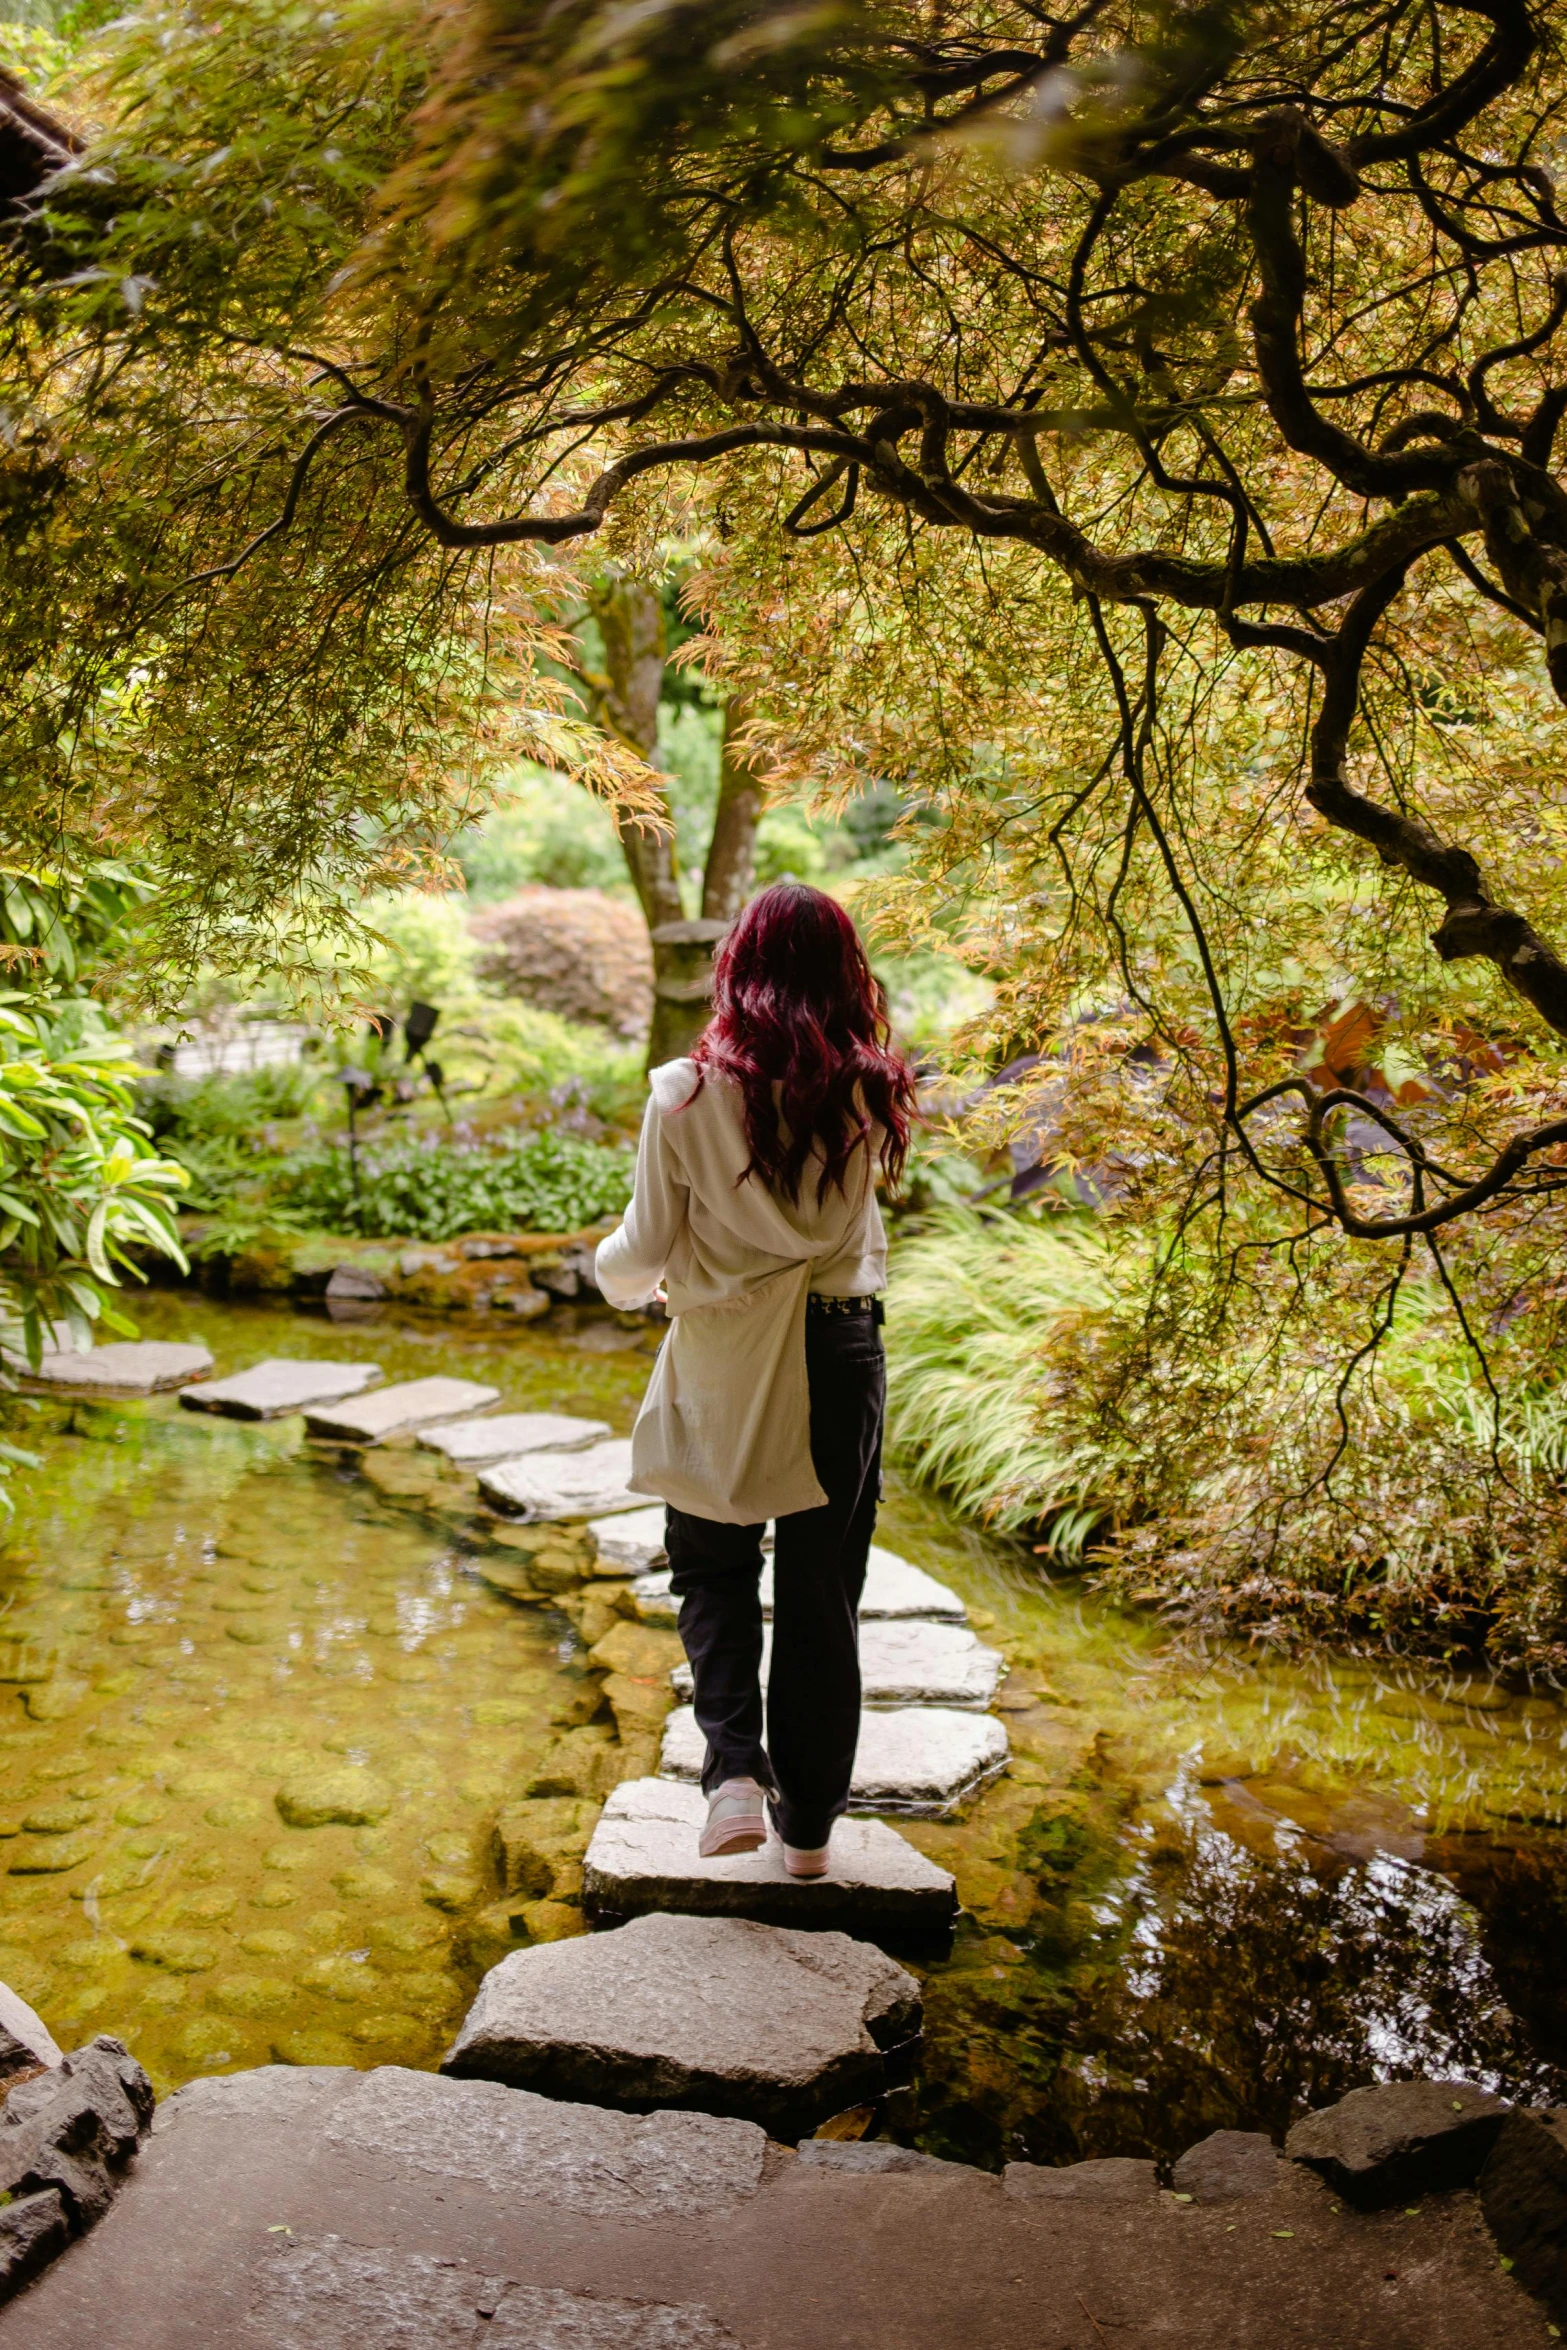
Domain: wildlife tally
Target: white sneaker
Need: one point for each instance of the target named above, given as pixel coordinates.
(736, 1819)
(805, 1861)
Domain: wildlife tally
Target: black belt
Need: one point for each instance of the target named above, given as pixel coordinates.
(816, 1303)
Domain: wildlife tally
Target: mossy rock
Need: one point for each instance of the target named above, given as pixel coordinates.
(348, 1797)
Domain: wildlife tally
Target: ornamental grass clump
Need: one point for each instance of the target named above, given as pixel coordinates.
(976, 1303)
(1203, 1448)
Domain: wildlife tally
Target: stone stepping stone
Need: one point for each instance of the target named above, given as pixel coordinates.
(643, 1856)
(713, 2015)
(893, 1588)
(905, 1663)
(267, 1390)
(921, 1761)
(393, 1411)
(634, 1541)
(563, 1484)
(474, 1443)
(129, 1367)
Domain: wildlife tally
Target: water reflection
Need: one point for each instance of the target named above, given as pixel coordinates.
(1216, 1984)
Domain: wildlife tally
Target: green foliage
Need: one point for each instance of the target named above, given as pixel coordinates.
(1045, 1378)
(79, 1187)
(974, 1301)
(429, 1189)
(422, 952)
(218, 1128)
(545, 829)
(61, 925)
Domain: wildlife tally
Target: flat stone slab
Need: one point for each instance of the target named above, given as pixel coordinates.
(921, 1761)
(634, 1540)
(267, 1390)
(316, 2208)
(411, 1403)
(716, 2015)
(129, 1367)
(1116, 2178)
(643, 1856)
(563, 1484)
(893, 1589)
(473, 1443)
(1400, 2139)
(908, 1663)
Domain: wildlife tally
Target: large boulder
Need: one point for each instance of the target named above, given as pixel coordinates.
(1523, 2193)
(716, 2015)
(66, 2138)
(1399, 2139)
(571, 951)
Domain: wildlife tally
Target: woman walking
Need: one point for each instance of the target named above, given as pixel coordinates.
(755, 1212)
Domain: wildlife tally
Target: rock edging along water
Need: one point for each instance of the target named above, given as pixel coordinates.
(715, 2015)
(273, 2210)
(517, 1275)
(68, 2131)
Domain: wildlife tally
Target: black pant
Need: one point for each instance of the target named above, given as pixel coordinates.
(813, 1690)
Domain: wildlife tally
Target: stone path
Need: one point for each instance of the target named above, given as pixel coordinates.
(922, 1761)
(712, 2014)
(314, 2208)
(267, 1390)
(893, 1588)
(395, 1411)
(563, 1484)
(129, 1367)
(476, 1443)
(643, 1856)
(907, 1663)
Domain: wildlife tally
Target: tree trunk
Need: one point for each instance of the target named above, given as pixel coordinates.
(731, 854)
(630, 615)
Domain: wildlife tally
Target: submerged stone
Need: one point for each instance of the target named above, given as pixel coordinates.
(470, 1443)
(643, 1856)
(719, 2015)
(563, 1484)
(904, 1663)
(350, 1797)
(922, 1760)
(411, 1403)
(267, 1390)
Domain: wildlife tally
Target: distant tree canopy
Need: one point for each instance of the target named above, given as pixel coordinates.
(1132, 432)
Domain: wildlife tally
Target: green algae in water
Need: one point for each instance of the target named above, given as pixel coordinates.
(1211, 1890)
(1216, 1890)
(241, 1636)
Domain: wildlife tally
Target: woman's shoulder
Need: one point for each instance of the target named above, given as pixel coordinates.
(672, 1084)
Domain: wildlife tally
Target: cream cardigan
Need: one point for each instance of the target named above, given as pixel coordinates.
(724, 1431)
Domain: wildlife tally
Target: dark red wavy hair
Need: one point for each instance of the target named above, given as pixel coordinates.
(800, 1025)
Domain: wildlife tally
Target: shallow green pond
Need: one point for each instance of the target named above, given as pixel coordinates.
(1211, 1890)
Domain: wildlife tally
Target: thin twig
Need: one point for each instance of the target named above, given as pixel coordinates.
(1093, 2321)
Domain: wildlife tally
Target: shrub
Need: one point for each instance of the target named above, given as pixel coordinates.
(428, 1188)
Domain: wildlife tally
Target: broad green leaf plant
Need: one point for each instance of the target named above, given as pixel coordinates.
(80, 1187)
